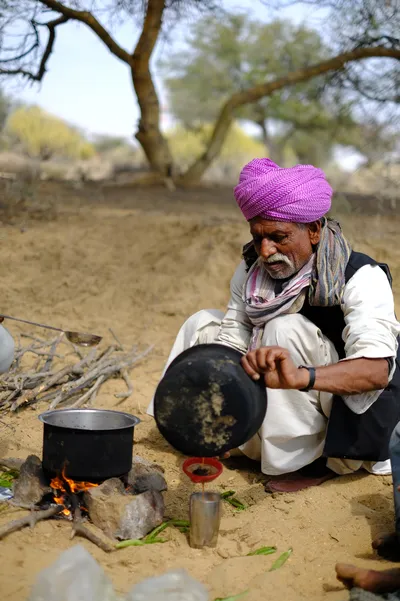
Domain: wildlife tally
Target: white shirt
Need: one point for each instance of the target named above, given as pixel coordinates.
(371, 329)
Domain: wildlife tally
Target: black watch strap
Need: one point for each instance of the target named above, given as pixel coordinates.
(311, 371)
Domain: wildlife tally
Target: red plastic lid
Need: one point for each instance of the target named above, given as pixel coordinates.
(198, 463)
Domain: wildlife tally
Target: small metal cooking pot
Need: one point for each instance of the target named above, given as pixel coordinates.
(89, 444)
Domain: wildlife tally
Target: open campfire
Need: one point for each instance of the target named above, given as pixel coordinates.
(68, 493)
(116, 509)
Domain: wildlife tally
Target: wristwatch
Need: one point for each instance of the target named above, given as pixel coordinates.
(311, 371)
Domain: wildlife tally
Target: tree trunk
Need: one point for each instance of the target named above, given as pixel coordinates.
(149, 134)
(226, 116)
(274, 150)
(264, 134)
(197, 170)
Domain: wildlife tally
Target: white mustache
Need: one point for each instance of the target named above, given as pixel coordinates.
(278, 257)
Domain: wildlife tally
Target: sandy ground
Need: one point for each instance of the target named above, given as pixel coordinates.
(141, 262)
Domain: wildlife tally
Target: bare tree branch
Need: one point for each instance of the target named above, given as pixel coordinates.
(50, 43)
(29, 50)
(51, 25)
(90, 20)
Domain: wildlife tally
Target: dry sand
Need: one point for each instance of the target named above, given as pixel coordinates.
(141, 262)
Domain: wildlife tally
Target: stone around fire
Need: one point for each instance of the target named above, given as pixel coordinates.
(31, 485)
(145, 476)
(122, 515)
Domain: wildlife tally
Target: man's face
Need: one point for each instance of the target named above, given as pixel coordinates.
(284, 247)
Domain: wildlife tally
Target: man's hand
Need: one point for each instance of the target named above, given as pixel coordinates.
(277, 366)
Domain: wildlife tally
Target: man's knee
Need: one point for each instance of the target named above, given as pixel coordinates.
(287, 330)
(6, 350)
(203, 318)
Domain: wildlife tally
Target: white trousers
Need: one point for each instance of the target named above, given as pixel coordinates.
(293, 432)
(6, 350)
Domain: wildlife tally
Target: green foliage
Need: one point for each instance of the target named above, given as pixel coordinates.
(225, 57)
(44, 136)
(238, 147)
(7, 478)
(229, 497)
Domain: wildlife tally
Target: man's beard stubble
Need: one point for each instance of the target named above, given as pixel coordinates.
(279, 266)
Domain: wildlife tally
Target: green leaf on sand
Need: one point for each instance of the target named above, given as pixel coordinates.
(229, 498)
(182, 525)
(154, 533)
(263, 551)
(233, 598)
(153, 536)
(281, 560)
(227, 494)
(8, 477)
(139, 543)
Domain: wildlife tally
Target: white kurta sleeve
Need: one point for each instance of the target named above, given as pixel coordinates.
(371, 329)
(236, 329)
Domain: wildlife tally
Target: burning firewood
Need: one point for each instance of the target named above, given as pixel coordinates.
(71, 383)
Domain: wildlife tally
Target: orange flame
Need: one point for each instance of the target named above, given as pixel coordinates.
(59, 484)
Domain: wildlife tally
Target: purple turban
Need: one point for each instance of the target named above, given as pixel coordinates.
(298, 194)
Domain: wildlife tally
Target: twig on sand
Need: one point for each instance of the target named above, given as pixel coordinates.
(29, 520)
(124, 395)
(29, 396)
(113, 334)
(79, 529)
(71, 384)
(89, 393)
(52, 353)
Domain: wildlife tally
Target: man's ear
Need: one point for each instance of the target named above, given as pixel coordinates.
(314, 231)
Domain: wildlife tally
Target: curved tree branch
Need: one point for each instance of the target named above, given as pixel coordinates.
(26, 52)
(51, 25)
(50, 43)
(88, 19)
(226, 116)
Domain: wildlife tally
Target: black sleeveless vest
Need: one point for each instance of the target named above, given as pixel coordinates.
(349, 435)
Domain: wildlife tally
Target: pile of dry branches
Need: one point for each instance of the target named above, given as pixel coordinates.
(70, 384)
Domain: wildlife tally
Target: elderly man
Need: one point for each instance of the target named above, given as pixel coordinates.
(316, 321)
(6, 350)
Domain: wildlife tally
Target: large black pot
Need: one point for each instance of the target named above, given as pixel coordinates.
(89, 444)
(206, 404)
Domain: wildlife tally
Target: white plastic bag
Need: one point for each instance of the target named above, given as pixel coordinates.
(75, 576)
(176, 585)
